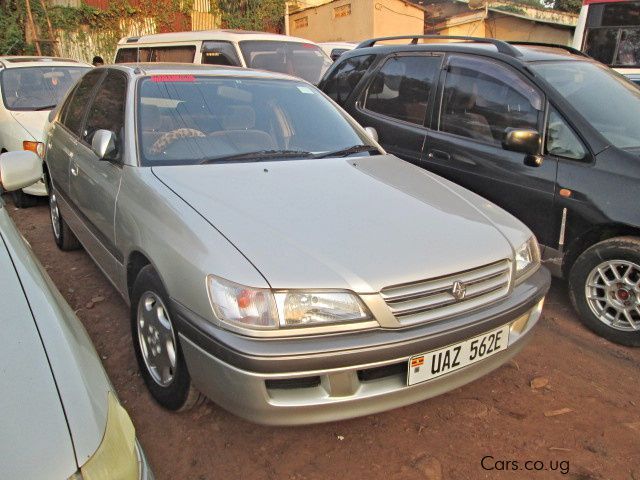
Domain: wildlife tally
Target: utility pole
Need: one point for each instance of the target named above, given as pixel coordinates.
(54, 43)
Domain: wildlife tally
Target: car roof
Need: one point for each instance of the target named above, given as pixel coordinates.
(522, 51)
(198, 69)
(31, 61)
(203, 35)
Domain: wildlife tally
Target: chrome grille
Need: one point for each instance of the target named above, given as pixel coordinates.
(430, 300)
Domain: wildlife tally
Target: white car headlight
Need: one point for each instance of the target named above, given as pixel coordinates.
(260, 308)
(527, 257)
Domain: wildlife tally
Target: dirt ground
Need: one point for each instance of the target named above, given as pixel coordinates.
(567, 406)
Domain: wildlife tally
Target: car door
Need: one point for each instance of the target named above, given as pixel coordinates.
(480, 98)
(95, 182)
(398, 99)
(64, 131)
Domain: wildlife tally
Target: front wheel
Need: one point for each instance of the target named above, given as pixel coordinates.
(156, 344)
(604, 286)
(23, 200)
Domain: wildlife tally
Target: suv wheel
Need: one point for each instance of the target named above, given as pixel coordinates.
(604, 286)
(23, 200)
(155, 341)
(62, 234)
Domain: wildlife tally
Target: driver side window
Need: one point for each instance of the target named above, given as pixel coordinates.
(108, 108)
(561, 139)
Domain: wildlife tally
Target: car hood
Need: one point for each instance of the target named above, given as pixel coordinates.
(33, 122)
(360, 223)
(34, 439)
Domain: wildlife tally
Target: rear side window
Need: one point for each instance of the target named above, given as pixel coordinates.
(127, 55)
(177, 54)
(344, 78)
(107, 110)
(482, 98)
(73, 113)
(401, 88)
(219, 53)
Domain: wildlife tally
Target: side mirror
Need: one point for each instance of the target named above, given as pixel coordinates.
(103, 144)
(19, 169)
(372, 133)
(524, 140)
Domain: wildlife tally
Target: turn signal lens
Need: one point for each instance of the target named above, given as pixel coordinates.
(35, 147)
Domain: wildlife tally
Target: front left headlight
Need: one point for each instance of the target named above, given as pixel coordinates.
(262, 308)
(117, 456)
(527, 258)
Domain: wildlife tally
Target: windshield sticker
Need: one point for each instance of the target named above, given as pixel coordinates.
(306, 90)
(172, 78)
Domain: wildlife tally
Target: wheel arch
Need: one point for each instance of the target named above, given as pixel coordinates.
(593, 236)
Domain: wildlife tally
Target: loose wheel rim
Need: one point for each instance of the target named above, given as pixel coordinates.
(612, 291)
(55, 214)
(156, 338)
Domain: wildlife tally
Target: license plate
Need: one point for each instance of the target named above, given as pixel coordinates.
(428, 366)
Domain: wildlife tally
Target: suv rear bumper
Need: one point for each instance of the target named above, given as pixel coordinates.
(332, 377)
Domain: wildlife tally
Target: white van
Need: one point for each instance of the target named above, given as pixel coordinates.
(266, 51)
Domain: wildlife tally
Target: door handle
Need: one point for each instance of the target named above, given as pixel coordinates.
(438, 155)
(74, 169)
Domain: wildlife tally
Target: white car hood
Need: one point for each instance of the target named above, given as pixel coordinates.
(360, 223)
(33, 122)
(34, 438)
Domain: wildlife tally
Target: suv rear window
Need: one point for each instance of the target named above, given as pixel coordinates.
(401, 88)
(344, 78)
(178, 54)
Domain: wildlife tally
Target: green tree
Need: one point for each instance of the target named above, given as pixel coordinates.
(571, 6)
(11, 28)
(252, 14)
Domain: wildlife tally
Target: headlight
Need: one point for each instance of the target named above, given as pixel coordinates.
(117, 456)
(527, 257)
(316, 308)
(261, 308)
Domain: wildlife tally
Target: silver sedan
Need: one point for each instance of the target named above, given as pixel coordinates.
(274, 256)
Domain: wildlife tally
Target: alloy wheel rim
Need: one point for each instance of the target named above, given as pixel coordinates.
(157, 339)
(55, 214)
(612, 291)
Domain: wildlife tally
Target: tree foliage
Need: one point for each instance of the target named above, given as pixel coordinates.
(265, 15)
(11, 28)
(571, 6)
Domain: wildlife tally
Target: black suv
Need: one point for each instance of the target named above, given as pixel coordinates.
(541, 130)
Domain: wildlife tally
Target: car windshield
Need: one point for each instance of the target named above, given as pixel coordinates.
(186, 119)
(304, 60)
(37, 88)
(604, 98)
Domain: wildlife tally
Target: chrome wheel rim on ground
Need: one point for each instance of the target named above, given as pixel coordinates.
(613, 294)
(55, 214)
(156, 338)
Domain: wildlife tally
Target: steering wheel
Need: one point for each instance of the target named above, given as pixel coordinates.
(161, 144)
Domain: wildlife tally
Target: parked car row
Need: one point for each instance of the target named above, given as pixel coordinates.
(288, 263)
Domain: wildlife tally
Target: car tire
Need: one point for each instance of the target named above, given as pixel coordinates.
(23, 200)
(65, 239)
(604, 286)
(157, 346)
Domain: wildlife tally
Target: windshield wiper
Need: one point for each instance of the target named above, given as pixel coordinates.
(345, 152)
(45, 107)
(260, 155)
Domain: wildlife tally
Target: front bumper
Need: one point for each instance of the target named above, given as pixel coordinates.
(38, 189)
(333, 377)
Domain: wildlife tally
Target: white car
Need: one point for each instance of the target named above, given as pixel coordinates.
(61, 418)
(235, 48)
(31, 87)
(335, 49)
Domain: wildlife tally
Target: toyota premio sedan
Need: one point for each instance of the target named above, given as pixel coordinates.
(275, 258)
